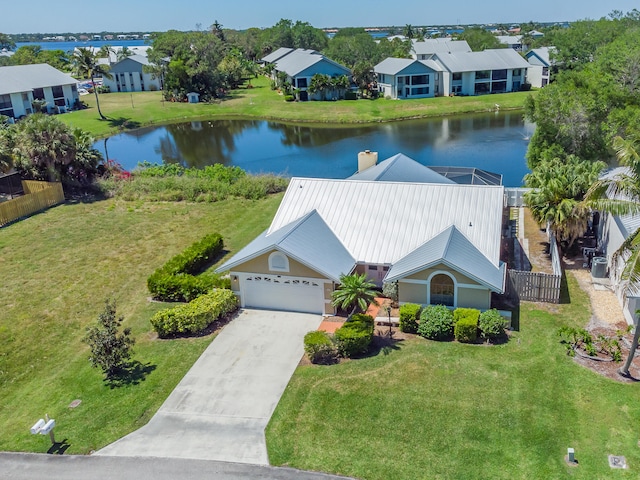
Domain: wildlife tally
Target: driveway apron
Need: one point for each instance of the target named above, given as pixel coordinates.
(221, 407)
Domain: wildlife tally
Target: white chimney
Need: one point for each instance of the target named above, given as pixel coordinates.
(367, 159)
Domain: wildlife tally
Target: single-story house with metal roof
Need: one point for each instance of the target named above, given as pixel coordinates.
(301, 65)
(128, 75)
(539, 66)
(20, 85)
(394, 221)
(456, 73)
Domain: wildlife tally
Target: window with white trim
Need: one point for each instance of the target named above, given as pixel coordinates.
(442, 290)
(278, 262)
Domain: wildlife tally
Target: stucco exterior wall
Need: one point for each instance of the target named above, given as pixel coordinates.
(261, 265)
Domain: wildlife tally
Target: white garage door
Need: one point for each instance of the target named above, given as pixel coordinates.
(278, 292)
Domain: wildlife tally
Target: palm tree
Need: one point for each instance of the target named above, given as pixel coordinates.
(408, 31)
(620, 195)
(558, 190)
(355, 292)
(86, 64)
(340, 84)
(363, 75)
(124, 53)
(320, 83)
(106, 51)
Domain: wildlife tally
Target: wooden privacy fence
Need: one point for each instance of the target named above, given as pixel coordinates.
(533, 286)
(38, 196)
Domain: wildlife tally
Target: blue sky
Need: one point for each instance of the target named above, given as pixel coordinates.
(159, 15)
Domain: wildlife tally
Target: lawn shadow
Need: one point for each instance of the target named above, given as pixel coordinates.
(123, 123)
(131, 374)
(59, 448)
(565, 296)
(383, 343)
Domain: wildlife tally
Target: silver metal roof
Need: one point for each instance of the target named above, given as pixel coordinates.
(510, 39)
(393, 66)
(493, 59)
(400, 168)
(439, 45)
(277, 54)
(451, 248)
(24, 78)
(381, 222)
(308, 240)
(300, 59)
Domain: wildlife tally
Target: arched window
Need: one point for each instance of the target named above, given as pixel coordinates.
(278, 262)
(442, 290)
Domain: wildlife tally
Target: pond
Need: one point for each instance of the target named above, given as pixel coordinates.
(496, 142)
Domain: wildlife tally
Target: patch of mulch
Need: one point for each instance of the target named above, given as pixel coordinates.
(602, 364)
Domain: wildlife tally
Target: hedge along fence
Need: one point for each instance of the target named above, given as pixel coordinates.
(195, 316)
(175, 280)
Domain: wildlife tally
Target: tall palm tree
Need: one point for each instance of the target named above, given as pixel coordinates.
(355, 292)
(123, 53)
(620, 195)
(85, 64)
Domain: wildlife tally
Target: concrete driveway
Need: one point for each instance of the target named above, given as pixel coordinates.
(221, 407)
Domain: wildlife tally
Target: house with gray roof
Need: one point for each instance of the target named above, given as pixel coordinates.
(301, 65)
(540, 65)
(129, 75)
(454, 73)
(21, 85)
(396, 221)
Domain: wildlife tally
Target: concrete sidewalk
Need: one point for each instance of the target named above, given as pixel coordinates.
(221, 407)
(31, 466)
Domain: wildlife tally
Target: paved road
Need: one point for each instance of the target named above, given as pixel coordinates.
(221, 407)
(31, 466)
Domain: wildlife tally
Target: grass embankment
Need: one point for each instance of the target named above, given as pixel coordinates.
(430, 410)
(138, 109)
(57, 269)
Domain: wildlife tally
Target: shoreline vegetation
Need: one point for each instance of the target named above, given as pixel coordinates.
(132, 110)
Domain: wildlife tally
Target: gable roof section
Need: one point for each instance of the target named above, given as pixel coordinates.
(492, 59)
(381, 222)
(453, 249)
(299, 60)
(400, 168)
(24, 78)
(542, 54)
(307, 240)
(394, 66)
(277, 54)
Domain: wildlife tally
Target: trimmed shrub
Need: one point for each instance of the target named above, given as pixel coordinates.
(466, 329)
(194, 317)
(436, 323)
(355, 336)
(174, 281)
(319, 347)
(289, 98)
(409, 315)
(491, 324)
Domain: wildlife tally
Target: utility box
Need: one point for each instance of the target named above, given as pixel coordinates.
(599, 267)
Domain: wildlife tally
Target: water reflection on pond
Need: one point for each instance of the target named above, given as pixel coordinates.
(494, 142)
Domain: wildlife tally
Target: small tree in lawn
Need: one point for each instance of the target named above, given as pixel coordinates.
(355, 291)
(110, 350)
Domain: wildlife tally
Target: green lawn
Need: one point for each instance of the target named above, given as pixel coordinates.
(57, 269)
(433, 410)
(132, 110)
